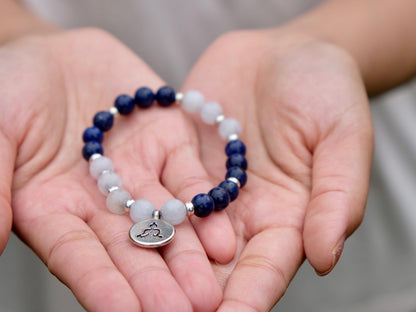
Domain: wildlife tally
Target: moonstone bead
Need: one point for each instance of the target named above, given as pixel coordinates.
(173, 211)
(98, 165)
(210, 111)
(116, 201)
(228, 127)
(192, 101)
(107, 181)
(141, 210)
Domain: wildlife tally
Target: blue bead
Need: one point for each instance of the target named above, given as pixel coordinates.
(103, 120)
(238, 173)
(231, 188)
(124, 104)
(235, 147)
(165, 96)
(144, 97)
(203, 205)
(221, 198)
(236, 160)
(92, 134)
(91, 148)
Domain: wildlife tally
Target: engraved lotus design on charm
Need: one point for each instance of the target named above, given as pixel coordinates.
(152, 233)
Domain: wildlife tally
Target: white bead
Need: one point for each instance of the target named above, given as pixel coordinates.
(210, 111)
(228, 127)
(173, 211)
(98, 165)
(192, 101)
(141, 210)
(116, 201)
(108, 180)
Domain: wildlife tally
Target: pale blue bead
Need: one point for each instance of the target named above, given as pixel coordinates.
(228, 127)
(116, 201)
(173, 211)
(141, 210)
(192, 101)
(107, 181)
(210, 111)
(100, 164)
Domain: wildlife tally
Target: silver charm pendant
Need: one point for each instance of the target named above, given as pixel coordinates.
(152, 233)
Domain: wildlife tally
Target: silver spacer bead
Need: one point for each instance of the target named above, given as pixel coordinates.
(156, 214)
(113, 110)
(179, 96)
(234, 180)
(233, 137)
(129, 203)
(112, 189)
(95, 156)
(219, 119)
(189, 208)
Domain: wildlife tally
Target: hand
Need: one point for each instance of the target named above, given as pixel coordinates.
(307, 127)
(51, 88)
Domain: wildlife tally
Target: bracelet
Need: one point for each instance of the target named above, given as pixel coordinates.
(155, 228)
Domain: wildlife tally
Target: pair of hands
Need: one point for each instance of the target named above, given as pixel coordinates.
(307, 127)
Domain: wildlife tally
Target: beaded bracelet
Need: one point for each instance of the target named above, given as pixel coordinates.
(155, 228)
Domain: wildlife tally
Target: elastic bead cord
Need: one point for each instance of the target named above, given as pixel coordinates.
(173, 212)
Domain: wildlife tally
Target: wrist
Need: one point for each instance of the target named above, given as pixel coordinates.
(373, 35)
(16, 21)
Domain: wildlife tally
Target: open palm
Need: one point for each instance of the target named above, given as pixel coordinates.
(52, 87)
(307, 127)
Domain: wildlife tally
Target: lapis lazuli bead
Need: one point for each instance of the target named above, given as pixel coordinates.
(221, 198)
(203, 205)
(235, 147)
(124, 104)
(236, 160)
(238, 173)
(231, 188)
(165, 96)
(144, 97)
(91, 148)
(103, 120)
(92, 134)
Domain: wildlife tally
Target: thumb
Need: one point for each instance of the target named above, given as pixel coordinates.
(341, 172)
(7, 160)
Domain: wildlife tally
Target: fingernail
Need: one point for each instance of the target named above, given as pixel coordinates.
(336, 254)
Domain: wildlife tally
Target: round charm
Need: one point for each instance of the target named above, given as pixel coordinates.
(152, 233)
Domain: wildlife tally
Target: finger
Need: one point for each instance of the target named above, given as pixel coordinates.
(144, 269)
(6, 173)
(185, 177)
(341, 172)
(74, 254)
(184, 256)
(263, 270)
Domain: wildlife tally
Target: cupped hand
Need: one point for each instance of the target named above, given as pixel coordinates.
(51, 87)
(307, 128)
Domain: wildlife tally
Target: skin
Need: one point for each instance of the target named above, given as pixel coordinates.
(309, 151)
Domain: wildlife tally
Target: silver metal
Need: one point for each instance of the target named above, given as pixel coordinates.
(152, 233)
(233, 137)
(113, 188)
(219, 119)
(234, 180)
(179, 96)
(156, 214)
(129, 203)
(95, 156)
(190, 209)
(113, 110)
